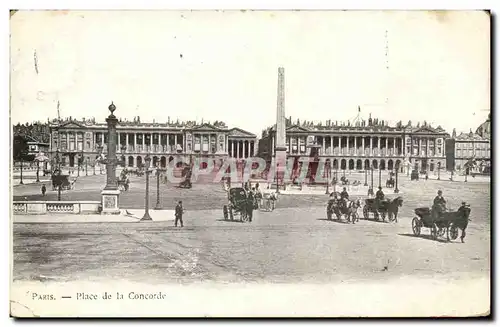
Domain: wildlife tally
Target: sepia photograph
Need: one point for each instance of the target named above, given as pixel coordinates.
(250, 163)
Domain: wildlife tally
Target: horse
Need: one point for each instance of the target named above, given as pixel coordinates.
(459, 219)
(339, 207)
(352, 210)
(393, 208)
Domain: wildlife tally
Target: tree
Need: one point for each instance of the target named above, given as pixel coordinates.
(19, 148)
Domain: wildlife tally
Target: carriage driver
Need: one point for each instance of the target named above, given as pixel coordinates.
(439, 205)
(344, 197)
(379, 197)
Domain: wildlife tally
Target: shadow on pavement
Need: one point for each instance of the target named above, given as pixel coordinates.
(425, 237)
(230, 221)
(335, 221)
(374, 220)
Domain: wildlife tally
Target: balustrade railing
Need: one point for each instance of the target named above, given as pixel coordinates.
(55, 207)
(60, 207)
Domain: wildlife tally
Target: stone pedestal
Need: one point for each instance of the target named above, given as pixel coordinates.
(110, 202)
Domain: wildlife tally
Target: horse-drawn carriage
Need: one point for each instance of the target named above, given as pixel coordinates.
(187, 174)
(344, 180)
(62, 181)
(385, 208)
(390, 182)
(343, 208)
(237, 204)
(439, 224)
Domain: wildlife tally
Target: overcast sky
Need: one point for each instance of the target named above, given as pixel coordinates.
(223, 66)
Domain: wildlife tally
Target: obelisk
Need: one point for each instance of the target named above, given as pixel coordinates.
(280, 146)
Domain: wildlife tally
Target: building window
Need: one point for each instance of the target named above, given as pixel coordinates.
(71, 142)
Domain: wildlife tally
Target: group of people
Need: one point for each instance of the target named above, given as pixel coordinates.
(341, 199)
(254, 196)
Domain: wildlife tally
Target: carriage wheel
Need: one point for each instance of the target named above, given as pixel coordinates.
(452, 232)
(434, 231)
(225, 212)
(415, 226)
(244, 216)
(365, 212)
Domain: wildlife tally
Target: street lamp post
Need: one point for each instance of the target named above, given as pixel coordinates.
(146, 212)
(86, 170)
(21, 181)
(439, 171)
(58, 161)
(38, 171)
(372, 179)
(99, 150)
(327, 178)
(396, 190)
(124, 162)
(366, 177)
(379, 177)
(80, 163)
(158, 171)
(277, 178)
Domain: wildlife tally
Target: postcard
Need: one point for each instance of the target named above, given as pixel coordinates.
(250, 163)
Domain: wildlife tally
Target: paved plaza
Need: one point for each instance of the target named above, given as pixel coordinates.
(294, 243)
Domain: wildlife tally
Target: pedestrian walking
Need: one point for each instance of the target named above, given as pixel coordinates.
(250, 205)
(179, 210)
(44, 189)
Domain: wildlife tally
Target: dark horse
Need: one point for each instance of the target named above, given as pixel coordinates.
(393, 208)
(458, 219)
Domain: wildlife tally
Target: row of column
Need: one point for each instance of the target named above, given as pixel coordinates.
(76, 141)
(135, 137)
(212, 140)
(425, 150)
(300, 140)
(241, 148)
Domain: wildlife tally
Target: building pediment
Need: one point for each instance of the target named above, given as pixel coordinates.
(428, 130)
(71, 124)
(296, 128)
(206, 127)
(238, 132)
